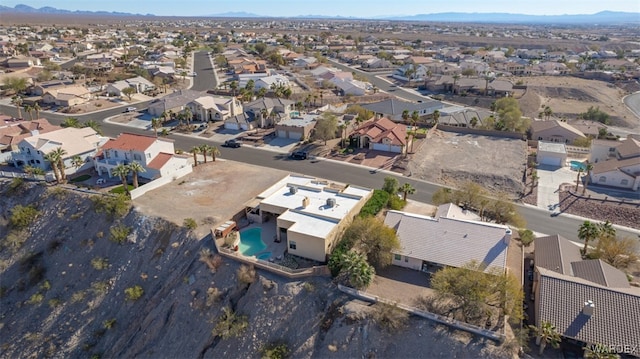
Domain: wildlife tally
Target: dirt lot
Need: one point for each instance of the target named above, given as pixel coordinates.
(451, 158)
(569, 96)
(211, 194)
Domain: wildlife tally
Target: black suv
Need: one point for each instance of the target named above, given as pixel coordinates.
(231, 143)
(299, 155)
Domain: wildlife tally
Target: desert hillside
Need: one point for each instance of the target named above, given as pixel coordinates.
(69, 289)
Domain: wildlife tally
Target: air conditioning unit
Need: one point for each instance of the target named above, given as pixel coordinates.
(293, 189)
(331, 202)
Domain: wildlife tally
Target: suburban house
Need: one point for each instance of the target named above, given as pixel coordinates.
(270, 82)
(214, 108)
(13, 130)
(156, 155)
(393, 108)
(81, 142)
(586, 300)
(350, 86)
(311, 214)
(40, 88)
(551, 154)
(139, 83)
(616, 163)
(452, 238)
(381, 134)
(554, 131)
(67, 96)
(266, 111)
(174, 102)
(463, 116)
(296, 128)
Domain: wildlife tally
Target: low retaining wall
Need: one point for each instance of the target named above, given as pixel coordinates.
(477, 131)
(137, 192)
(317, 271)
(431, 316)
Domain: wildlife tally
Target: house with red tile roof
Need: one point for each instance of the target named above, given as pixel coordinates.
(156, 155)
(13, 130)
(381, 134)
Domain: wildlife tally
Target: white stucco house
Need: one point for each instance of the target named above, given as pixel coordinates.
(616, 164)
(551, 154)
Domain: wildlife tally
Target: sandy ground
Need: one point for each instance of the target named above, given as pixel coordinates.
(570, 96)
(451, 158)
(211, 195)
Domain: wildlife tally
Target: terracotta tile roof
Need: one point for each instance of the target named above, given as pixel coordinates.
(12, 131)
(377, 130)
(131, 142)
(612, 165)
(160, 160)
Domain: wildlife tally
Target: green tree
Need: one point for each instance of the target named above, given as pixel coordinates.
(135, 168)
(595, 114)
(29, 110)
(588, 231)
(16, 84)
(547, 334)
(156, 124)
(94, 125)
(234, 86)
(70, 122)
(441, 196)
(526, 237)
(17, 102)
(195, 150)
(326, 127)
(619, 252)
(77, 162)
(59, 154)
(204, 149)
(390, 185)
(53, 162)
(406, 189)
(229, 324)
(214, 152)
(128, 91)
(510, 116)
(355, 272)
(37, 109)
(362, 113)
(372, 238)
(260, 48)
(122, 171)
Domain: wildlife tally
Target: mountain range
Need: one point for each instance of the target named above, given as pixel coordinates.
(603, 17)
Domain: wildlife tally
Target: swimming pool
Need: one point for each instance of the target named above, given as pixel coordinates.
(264, 256)
(576, 165)
(251, 242)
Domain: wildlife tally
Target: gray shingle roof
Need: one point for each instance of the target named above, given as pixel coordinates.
(556, 253)
(395, 107)
(598, 271)
(616, 318)
(452, 242)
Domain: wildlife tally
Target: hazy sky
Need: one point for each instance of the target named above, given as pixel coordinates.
(356, 8)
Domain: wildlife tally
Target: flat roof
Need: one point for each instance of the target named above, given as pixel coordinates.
(299, 121)
(552, 147)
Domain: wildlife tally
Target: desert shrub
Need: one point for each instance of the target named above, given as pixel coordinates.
(212, 261)
(78, 296)
(99, 287)
(108, 324)
(14, 240)
(213, 295)
(335, 260)
(396, 203)
(377, 202)
(54, 303)
(119, 233)
(190, 223)
(246, 274)
(58, 192)
(309, 287)
(230, 324)
(15, 185)
(526, 237)
(36, 298)
(355, 271)
(114, 206)
(22, 216)
(46, 285)
(275, 350)
(389, 317)
(100, 263)
(134, 293)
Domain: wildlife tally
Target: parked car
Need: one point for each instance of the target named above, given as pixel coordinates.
(231, 143)
(194, 74)
(130, 109)
(299, 155)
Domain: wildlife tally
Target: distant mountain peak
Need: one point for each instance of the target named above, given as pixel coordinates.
(22, 8)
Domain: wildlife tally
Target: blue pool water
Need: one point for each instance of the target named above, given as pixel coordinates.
(264, 256)
(576, 165)
(251, 242)
(295, 114)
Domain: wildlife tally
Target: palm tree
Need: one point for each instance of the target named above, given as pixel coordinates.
(77, 162)
(606, 229)
(135, 168)
(28, 109)
(205, 150)
(59, 153)
(587, 232)
(95, 125)
(70, 122)
(234, 87)
(406, 189)
(405, 115)
(214, 152)
(156, 124)
(474, 121)
(578, 178)
(33, 171)
(122, 171)
(17, 102)
(262, 92)
(53, 161)
(188, 115)
(588, 168)
(165, 116)
(195, 150)
(455, 80)
(547, 112)
(436, 117)
(37, 109)
(547, 334)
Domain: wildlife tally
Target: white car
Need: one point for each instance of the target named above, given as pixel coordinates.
(130, 109)
(194, 74)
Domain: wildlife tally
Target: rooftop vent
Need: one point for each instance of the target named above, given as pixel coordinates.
(507, 235)
(293, 189)
(305, 202)
(588, 308)
(331, 202)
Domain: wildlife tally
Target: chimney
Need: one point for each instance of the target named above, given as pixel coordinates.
(507, 236)
(588, 308)
(305, 202)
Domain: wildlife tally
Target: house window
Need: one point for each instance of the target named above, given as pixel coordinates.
(624, 182)
(397, 257)
(148, 155)
(602, 179)
(539, 138)
(406, 259)
(137, 157)
(292, 245)
(115, 153)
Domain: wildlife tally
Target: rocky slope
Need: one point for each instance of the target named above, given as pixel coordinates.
(64, 294)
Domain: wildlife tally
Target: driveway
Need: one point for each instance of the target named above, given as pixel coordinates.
(549, 180)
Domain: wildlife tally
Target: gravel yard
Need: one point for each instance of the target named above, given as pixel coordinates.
(452, 158)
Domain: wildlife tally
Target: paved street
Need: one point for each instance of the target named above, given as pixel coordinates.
(206, 78)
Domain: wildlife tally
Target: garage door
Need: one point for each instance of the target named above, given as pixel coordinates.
(295, 135)
(380, 147)
(282, 134)
(550, 161)
(231, 126)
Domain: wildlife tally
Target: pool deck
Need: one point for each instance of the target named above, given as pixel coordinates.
(268, 234)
